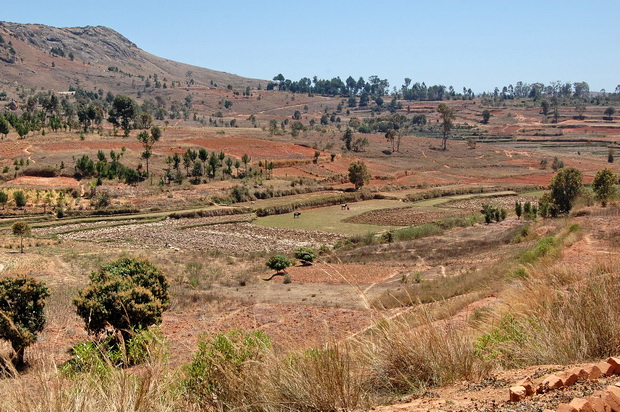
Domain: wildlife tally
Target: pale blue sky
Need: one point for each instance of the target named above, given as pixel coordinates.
(477, 44)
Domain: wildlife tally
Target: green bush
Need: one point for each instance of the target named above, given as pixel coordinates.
(98, 358)
(224, 370)
(279, 263)
(306, 255)
(22, 304)
(124, 295)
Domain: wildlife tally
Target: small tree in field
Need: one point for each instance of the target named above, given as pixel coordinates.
(22, 303)
(20, 198)
(125, 295)
(279, 263)
(604, 185)
(518, 209)
(565, 187)
(306, 255)
(609, 113)
(447, 122)
(486, 116)
(358, 174)
(21, 229)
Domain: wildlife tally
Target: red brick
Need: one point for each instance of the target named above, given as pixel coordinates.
(597, 404)
(581, 405)
(581, 373)
(616, 364)
(564, 407)
(528, 384)
(594, 372)
(607, 369)
(552, 382)
(569, 377)
(517, 393)
(612, 400)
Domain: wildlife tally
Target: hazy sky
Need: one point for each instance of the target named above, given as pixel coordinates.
(477, 44)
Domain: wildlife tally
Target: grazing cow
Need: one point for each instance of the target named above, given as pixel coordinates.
(296, 214)
(344, 206)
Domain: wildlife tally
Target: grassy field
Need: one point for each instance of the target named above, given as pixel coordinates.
(331, 219)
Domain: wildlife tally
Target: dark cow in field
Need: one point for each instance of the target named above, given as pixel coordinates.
(296, 214)
(344, 206)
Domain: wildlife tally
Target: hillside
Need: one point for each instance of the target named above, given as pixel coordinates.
(92, 58)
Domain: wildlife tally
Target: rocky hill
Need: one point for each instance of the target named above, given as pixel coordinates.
(93, 58)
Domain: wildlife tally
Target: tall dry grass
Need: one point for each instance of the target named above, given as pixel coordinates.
(43, 388)
(558, 314)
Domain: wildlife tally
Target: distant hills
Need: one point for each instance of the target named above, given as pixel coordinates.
(93, 58)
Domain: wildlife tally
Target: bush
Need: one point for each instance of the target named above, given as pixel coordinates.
(226, 371)
(125, 295)
(98, 358)
(22, 304)
(279, 263)
(306, 255)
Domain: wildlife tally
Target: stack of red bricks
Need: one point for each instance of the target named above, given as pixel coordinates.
(606, 400)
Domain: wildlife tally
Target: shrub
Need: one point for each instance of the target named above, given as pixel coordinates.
(306, 255)
(226, 370)
(125, 295)
(279, 263)
(98, 358)
(22, 304)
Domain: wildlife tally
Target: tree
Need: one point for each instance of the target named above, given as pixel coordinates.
(21, 229)
(245, 159)
(297, 115)
(279, 263)
(544, 107)
(4, 197)
(557, 164)
(358, 174)
(123, 111)
(124, 295)
(20, 198)
(610, 156)
(447, 122)
(609, 112)
(486, 115)
(347, 137)
(4, 127)
(390, 136)
(518, 209)
(580, 108)
(22, 315)
(604, 185)
(148, 141)
(306, 255)
(565, 187)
